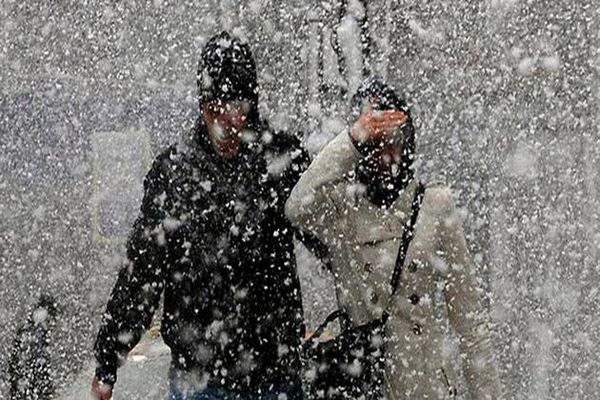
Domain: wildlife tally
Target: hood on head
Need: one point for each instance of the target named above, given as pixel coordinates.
(385, 97)
(227, 71)
(379, 189)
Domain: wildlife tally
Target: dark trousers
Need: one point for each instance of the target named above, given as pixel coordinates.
(182, 389)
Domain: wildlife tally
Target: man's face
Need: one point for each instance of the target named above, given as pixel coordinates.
(225, 121)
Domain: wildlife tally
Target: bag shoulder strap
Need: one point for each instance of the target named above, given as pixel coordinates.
(407, 236)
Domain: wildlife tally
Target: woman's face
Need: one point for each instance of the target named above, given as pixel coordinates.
(388, 157)
(225, 121)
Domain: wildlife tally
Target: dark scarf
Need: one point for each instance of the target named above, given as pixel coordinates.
(383, 189)
(238, 181)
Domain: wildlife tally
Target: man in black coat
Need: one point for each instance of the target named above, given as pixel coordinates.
(212, 236)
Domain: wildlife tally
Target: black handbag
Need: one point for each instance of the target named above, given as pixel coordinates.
(351, 366)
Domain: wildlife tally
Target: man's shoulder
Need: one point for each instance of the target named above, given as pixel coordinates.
(164, 160)
(179, 155)
(169, 163)
(169, 153)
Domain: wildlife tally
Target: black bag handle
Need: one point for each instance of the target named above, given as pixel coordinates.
(330, 318)
(407, 236)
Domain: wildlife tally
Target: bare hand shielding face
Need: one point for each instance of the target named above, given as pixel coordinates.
(373, 125)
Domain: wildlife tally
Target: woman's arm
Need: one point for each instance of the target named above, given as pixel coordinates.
(311, 207)
(468, 316)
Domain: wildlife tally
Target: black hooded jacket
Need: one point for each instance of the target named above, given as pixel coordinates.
(212, 236)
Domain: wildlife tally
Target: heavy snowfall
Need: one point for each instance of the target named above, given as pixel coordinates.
(504, 97)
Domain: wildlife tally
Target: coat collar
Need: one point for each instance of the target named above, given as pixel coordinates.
(376, 224)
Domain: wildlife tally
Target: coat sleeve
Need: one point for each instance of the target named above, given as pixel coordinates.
(140, 282)
(466, 311)
(279, 250)
(310, 206)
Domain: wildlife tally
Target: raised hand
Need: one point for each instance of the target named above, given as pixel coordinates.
(373, 125)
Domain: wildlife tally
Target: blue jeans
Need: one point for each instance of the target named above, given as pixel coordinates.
(212, 392)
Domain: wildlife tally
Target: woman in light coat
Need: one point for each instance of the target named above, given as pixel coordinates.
(356, 198)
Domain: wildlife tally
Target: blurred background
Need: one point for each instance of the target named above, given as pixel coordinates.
(505, 96)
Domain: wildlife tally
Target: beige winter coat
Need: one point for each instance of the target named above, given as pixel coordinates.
(437, 289)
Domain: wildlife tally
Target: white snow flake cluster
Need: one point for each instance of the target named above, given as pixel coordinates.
(504, 94)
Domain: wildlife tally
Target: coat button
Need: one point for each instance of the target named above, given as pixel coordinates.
(452, 391)
(412, 267)
(417, 329)
(414, 299)
(374, 298)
